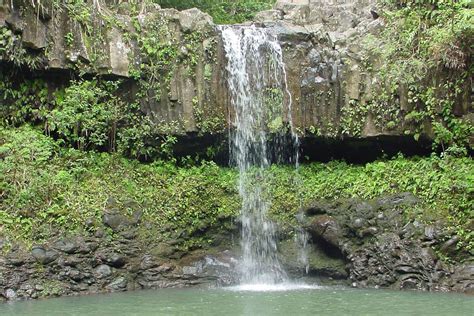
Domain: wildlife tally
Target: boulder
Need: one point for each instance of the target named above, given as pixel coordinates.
(66, 245)
(103, 271)
(44, 256)
(193, 20)
(115, 221)
(116, 260)
(118, 284)
(326, 228)
(268, 16)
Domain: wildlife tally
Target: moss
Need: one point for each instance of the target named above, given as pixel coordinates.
(47, 191)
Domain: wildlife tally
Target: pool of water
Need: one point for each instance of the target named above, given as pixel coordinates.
(305, 300)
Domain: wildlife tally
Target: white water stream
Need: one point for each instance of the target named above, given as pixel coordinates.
(262, 133)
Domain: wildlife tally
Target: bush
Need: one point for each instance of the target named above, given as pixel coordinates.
(86, 114)
(223, 11)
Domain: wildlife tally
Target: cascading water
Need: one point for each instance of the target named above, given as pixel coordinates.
(262, 133)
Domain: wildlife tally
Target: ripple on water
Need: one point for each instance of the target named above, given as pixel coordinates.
(279, 287)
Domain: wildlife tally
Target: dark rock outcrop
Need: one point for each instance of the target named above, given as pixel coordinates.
(382, 250)
(323, 52)
(93, 265)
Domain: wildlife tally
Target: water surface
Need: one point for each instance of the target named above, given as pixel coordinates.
(227, 302)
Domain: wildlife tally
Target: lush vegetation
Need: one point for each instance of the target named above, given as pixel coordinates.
(86, 114)
(66, 151)
(46, 190)
(429, 45)
(223, 11)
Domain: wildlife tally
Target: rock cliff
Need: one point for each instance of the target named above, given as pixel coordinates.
(174, 62)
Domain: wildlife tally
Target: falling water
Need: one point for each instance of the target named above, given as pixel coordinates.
(262, 133)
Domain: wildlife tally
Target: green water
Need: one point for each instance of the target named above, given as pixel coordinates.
(324, 301)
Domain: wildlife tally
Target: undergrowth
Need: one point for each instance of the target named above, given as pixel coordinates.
(47, 190)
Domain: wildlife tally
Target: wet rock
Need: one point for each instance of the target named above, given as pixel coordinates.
(116, 260)
(463, 279)
(103, 271)
(10, 294)
(411, 282)
(118, 284)
(148, 262)
(449, 247)
(190, 270)
(397, 255)
(326, 228)
(44, 256)
(67, 246)
(75, 275)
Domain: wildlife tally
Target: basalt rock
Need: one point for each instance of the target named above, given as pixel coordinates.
(381, 249)
(322, 46)
(47, 272)
(326, 228)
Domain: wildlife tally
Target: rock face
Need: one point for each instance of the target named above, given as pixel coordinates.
(84, 265)
(322, 40)
(380, 250)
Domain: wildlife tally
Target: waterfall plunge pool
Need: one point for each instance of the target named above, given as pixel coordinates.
(304, 300)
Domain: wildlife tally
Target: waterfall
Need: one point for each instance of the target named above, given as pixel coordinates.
(262, 133)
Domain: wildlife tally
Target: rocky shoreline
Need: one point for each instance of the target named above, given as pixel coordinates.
(364, 244)
(382, 250)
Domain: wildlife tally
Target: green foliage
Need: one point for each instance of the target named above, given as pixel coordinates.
(223, 11)
(22, 102)
(272, 101)
(46, 190)
(78, 10)
(429, 45)
(444, 186)
(11, 49)
(86, 113)
(352, 118)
